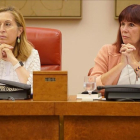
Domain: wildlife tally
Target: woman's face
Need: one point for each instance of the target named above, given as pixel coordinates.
(130, 33)
(9, 31)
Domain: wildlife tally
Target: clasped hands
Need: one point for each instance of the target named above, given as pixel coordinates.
(127, 51)
(6, 52)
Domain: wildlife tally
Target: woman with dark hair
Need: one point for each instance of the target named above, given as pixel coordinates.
(119, 63)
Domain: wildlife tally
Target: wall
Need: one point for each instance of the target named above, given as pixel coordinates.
(83, 38)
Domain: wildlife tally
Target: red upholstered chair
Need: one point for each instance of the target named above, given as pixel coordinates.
(48, 42)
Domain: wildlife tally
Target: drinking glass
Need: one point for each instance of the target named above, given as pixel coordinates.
(90, 83)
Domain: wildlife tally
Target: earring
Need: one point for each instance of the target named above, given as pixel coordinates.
(18, 40)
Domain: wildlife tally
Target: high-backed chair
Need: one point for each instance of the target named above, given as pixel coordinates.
(90, 70)
(48, 42)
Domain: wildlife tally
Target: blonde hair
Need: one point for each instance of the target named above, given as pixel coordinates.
(23, 49)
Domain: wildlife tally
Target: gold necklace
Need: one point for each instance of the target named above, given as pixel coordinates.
(129, 76)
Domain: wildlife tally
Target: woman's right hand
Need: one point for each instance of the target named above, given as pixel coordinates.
(123, 59)
(2, 52)
(127, 50)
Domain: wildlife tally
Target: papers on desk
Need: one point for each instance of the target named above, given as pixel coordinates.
(87, 97)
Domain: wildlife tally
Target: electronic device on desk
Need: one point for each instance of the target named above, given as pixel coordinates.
(10, 90)
(121, 92)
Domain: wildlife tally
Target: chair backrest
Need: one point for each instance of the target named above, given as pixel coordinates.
(89, 72)
(48, 42)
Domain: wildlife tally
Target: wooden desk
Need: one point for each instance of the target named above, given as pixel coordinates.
(28, 120)
(99, 120)
(35, 120)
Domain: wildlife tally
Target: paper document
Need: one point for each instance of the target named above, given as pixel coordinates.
(89, 97)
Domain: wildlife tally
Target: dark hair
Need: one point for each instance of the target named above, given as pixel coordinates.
(130, 14)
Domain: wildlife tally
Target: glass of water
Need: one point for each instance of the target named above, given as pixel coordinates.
(90, 83)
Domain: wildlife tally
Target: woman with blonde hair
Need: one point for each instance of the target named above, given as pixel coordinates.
(18, 58)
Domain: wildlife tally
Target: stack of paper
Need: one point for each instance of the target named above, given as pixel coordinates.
(89, 97)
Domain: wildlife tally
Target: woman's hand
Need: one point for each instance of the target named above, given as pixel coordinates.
(128, 51)
(6, 52)
(123, 60)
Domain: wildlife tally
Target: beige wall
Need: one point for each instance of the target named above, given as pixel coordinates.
(82, 39)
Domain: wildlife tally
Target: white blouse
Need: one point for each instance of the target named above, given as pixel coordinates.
(7, 71)
(128, 76)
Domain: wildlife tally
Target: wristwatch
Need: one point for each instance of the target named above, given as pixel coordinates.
(19, 64)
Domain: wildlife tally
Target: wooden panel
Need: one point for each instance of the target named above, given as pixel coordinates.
(26, 108)
(29, 127)
(99, 120)
(47, 8)
(98, 128)
(121, 4)
(50, 86)
(97, 108)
